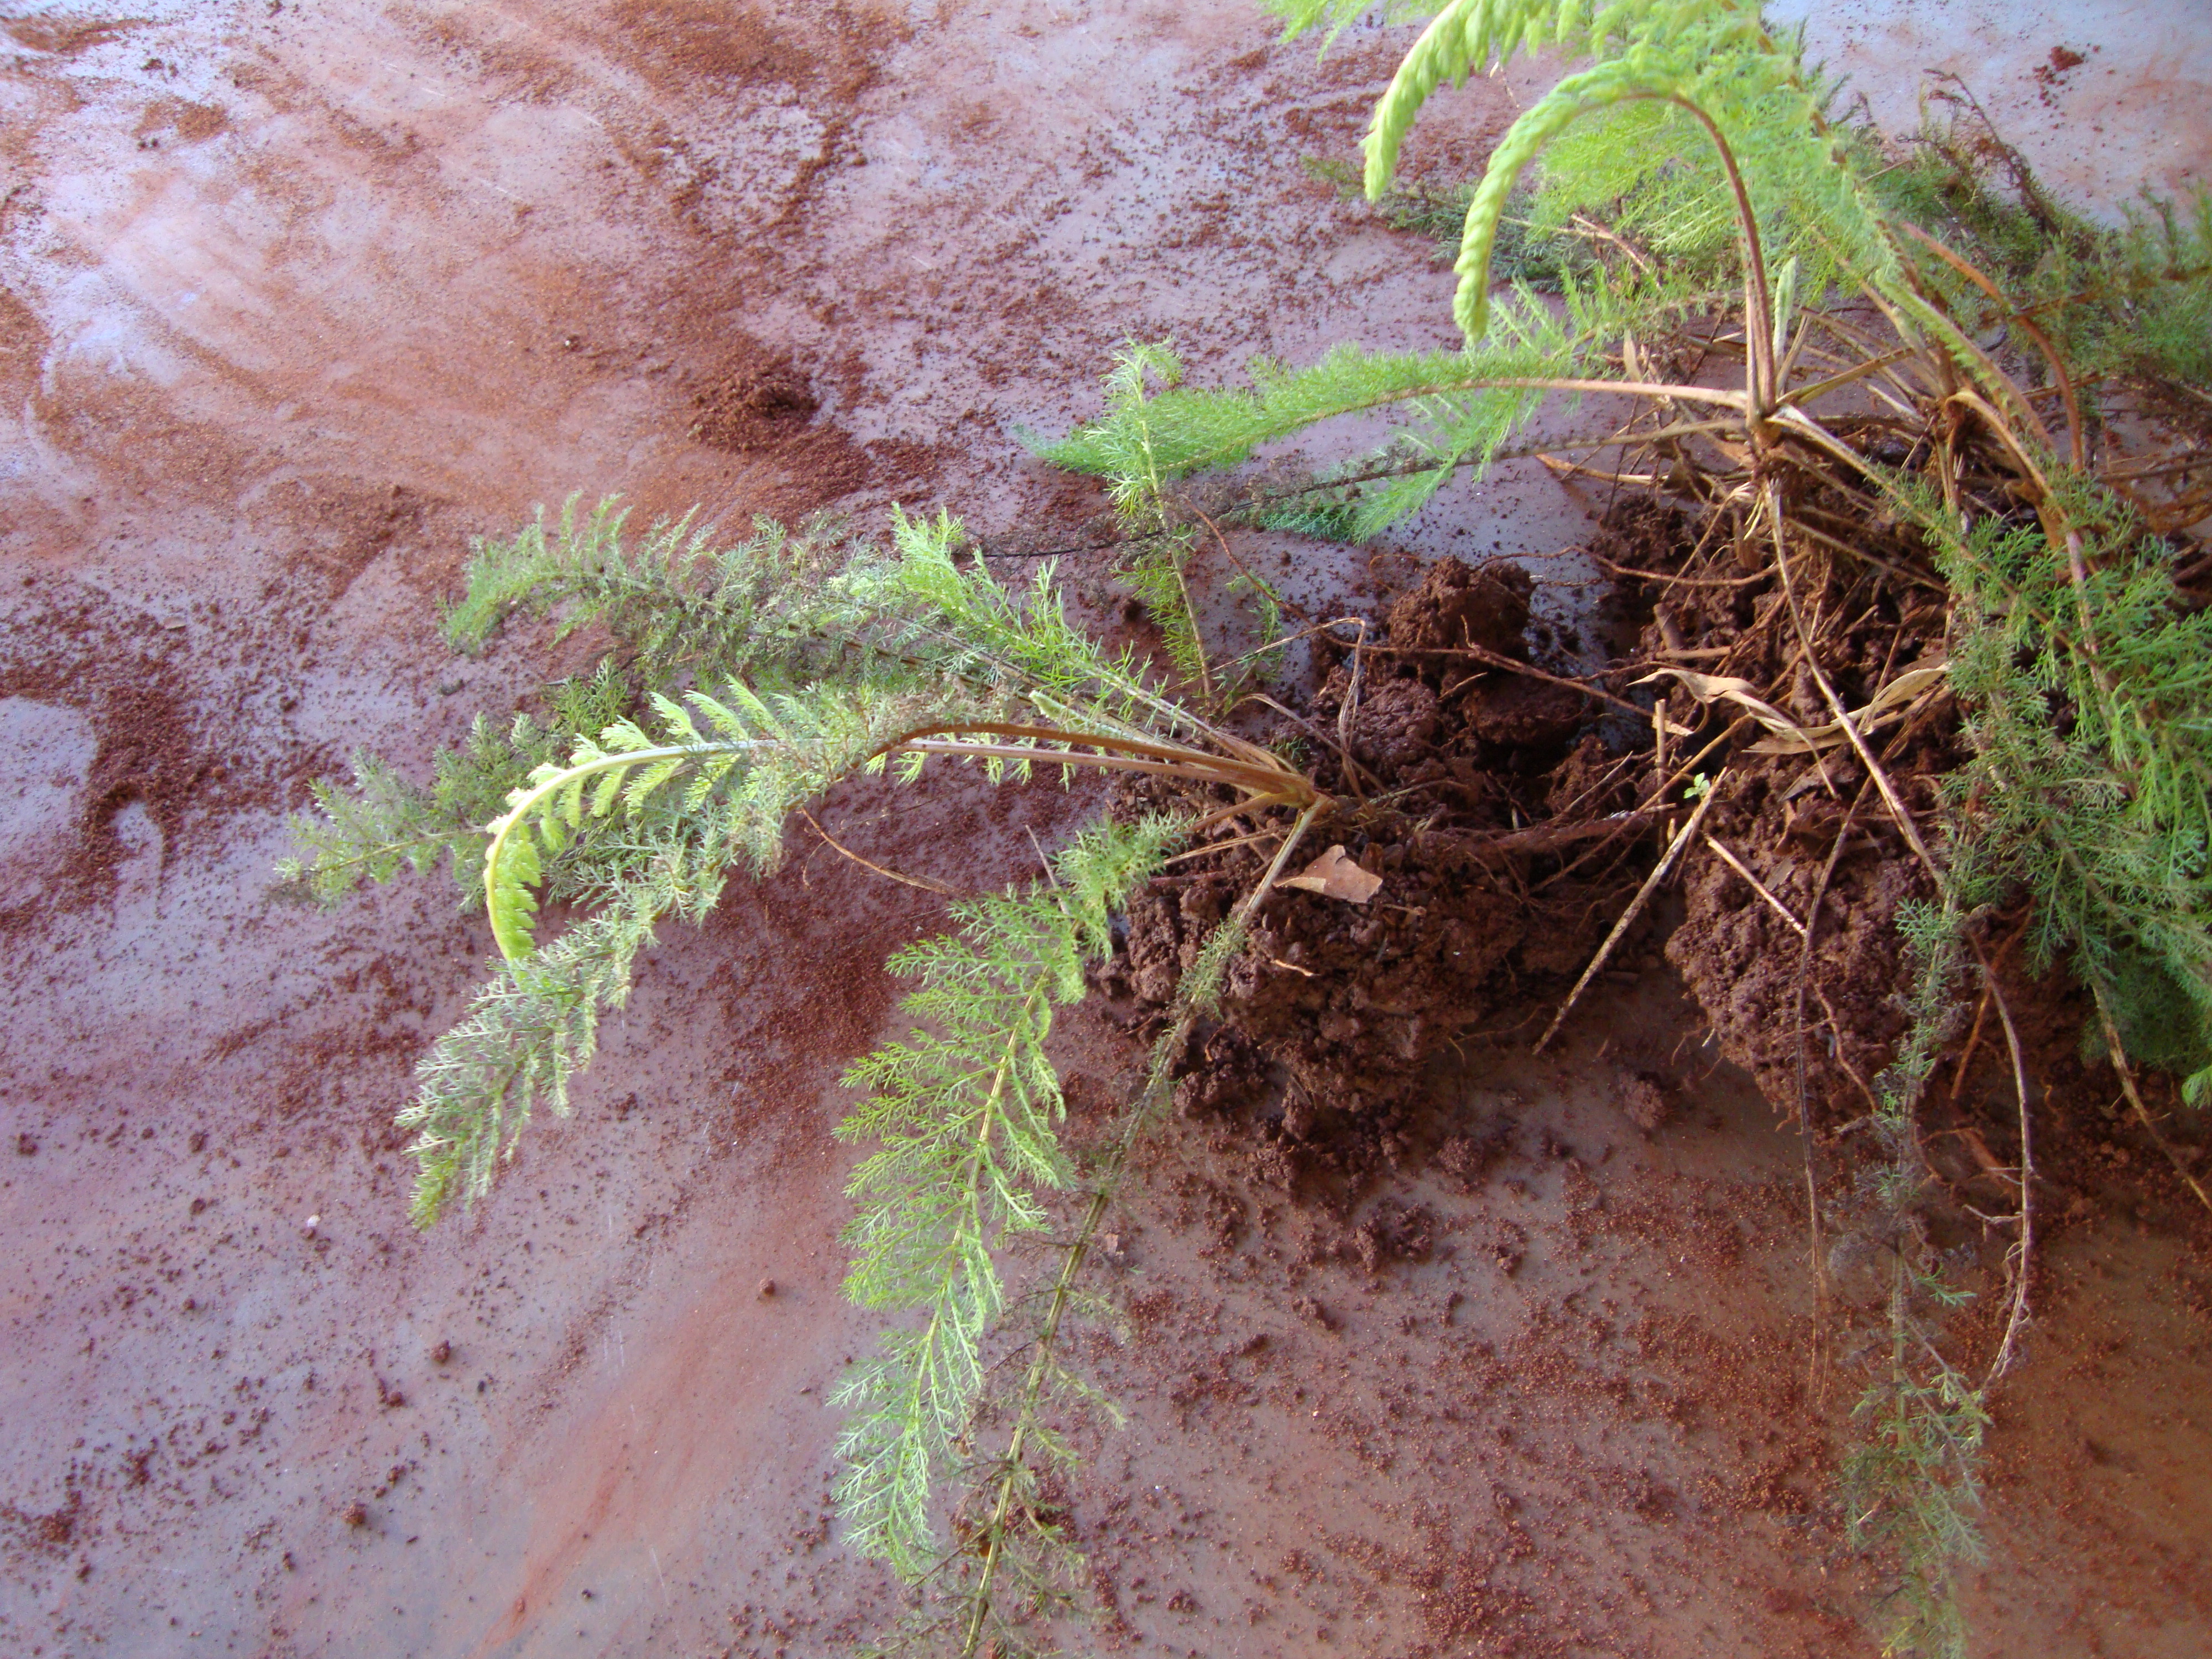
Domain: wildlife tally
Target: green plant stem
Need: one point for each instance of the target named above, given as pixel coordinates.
(1149, 1101)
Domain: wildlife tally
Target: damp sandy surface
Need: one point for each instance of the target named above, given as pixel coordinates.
(298, 298)
(2104, 99)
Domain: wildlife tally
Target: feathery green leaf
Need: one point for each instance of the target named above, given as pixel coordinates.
(965, 1114)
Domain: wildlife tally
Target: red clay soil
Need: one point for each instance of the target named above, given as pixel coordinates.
(298, 298)
(1351, 1005)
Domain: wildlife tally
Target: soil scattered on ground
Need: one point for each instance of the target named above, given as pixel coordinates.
(296, 301)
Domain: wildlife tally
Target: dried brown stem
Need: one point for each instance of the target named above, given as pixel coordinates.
(1491, 659)
(1635, 908)
(2119, 1059)
(1757, 886)
(927, 883)
(1974, 1042)
(1850, 731)
(2042, 340)
(2024, 1250)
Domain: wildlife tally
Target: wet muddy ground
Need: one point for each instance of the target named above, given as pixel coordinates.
(293, 299)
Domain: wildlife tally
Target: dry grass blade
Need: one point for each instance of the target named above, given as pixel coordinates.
(1757, 886)
(2118, 1054)
(1867, 758)
(1709, 688)
(1659, 872)
(2022, 1254)
(1892, 703)
(2043, 341)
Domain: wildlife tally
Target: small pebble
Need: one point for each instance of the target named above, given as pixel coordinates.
(767, 1289)
(312, 1223)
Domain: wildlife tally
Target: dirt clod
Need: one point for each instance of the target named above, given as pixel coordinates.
(1644, 1102)
(759, 399)
(1336, 1009)
(1458, 605)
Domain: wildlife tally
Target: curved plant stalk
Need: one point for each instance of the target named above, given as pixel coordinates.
(964, 1114)
(1009, 1540)
(542, 816)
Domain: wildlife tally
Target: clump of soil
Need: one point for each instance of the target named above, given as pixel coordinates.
(759, 400)
(1448, 767)
(1741, 960)
(1508, 816)
(1815, 1029)
(1459, 605)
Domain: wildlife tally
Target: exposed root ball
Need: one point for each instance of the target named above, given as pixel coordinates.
(1334, 1010)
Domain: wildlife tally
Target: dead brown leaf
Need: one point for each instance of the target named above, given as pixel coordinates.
(1336, 875)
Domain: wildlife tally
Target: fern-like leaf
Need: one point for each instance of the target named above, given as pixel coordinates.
(527, 1034)
(385, 823)
(1464, 36)
(965, 1114)
(1456, 407)
(636, 802)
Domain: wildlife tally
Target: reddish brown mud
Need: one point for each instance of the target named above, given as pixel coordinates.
(297, 298)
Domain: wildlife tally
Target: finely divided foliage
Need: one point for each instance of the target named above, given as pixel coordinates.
(1697, 178)
(964, 1113)
(1700, 179)
(1711, 150)
(857, 662)
(384, 821)
(1140, 470)
(1708, 140)
(1457, 407)
(2088, 702)
(756, 676)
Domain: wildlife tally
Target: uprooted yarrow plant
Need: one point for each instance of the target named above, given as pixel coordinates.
(1917, 719)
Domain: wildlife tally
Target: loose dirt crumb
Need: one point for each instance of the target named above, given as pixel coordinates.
(1644, 1102)
(757, 400)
